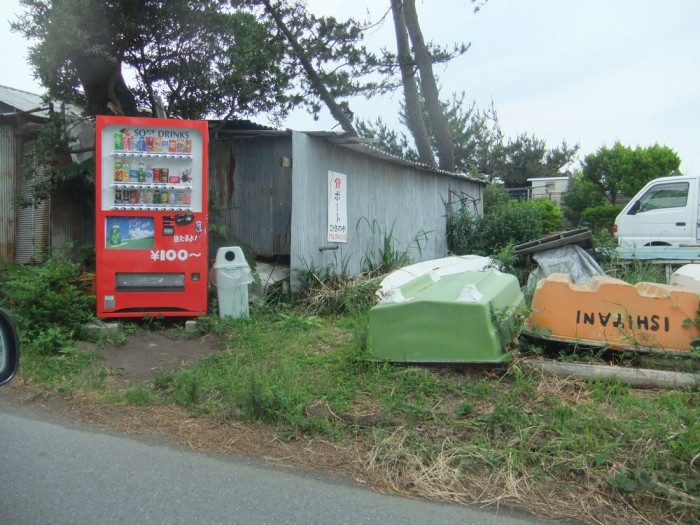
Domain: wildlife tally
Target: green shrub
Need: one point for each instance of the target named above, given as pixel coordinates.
(462, 230)
(48, 296)
(511, 223)
(580, 195)
(550, 213)
(601, 217)
(495, 195)
(51, 340)
(515, 222)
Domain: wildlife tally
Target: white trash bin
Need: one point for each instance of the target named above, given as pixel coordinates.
(232, 276)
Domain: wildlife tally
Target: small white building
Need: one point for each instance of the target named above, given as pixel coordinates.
(548, 188)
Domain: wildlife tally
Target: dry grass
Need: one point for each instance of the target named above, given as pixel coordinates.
(403, 470)
(334, 295)
(447, 467)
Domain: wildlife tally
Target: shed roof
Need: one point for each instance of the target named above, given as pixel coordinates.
(23, 101)
(341, 138)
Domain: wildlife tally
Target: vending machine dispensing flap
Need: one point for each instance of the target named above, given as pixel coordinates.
(183, 219)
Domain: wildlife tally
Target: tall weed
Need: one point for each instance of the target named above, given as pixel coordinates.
(388, 257)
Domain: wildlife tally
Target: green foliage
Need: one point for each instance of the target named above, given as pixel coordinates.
(551, 214)
(514, 222)
(50, 340)
(621, 169)
(601, 217)
(139, 396)
(475, 134)
(636, 271)
(462, 230)
(273, 401)
(495, 195)
(580, 195)
(389, 257)
(261, 379)
(233, 65)
(628, 481)
(527, 157)
(387, 139)
(212, 324)
(505, 260)
(68, 371)
(480, 147)
(198, 58)
(606, 246)
(48, 296)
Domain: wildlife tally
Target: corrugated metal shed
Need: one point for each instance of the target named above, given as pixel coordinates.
(32, 235)
(251, 191)
(387, 198)
(256, 175)
(26, 234)
(8, 164)
(269, 190)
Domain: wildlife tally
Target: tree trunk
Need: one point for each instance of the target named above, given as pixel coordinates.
(336, 110)
(98, 65)
(104, 86)
(431, 95)
(414, 113)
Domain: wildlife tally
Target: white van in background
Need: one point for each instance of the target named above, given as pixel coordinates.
(663, 213)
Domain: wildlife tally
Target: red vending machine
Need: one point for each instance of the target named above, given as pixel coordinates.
(151, 217)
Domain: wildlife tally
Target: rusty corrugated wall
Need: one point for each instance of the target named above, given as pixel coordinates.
(250, 183)
(8, 168)
(68, 218)
(66, 225)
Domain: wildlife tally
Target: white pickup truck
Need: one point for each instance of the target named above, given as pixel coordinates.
(661, 220)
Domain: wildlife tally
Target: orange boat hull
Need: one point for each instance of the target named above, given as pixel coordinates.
(612, 313)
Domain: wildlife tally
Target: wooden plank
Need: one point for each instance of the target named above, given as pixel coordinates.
(554, 241)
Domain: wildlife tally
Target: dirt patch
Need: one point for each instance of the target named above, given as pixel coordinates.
(145, 355)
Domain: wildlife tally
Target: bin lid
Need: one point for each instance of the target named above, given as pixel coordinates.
(230, 257)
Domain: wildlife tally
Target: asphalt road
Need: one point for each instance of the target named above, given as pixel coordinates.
(53, 472)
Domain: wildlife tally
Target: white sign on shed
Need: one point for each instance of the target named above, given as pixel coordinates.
(337, 207)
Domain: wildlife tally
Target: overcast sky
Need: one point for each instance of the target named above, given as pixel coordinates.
(585, 71)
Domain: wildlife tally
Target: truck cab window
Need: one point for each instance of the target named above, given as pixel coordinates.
(673, 195)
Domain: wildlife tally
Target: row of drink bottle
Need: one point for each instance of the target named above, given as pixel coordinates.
(124, 140)
(124, 172)
(150, 196)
